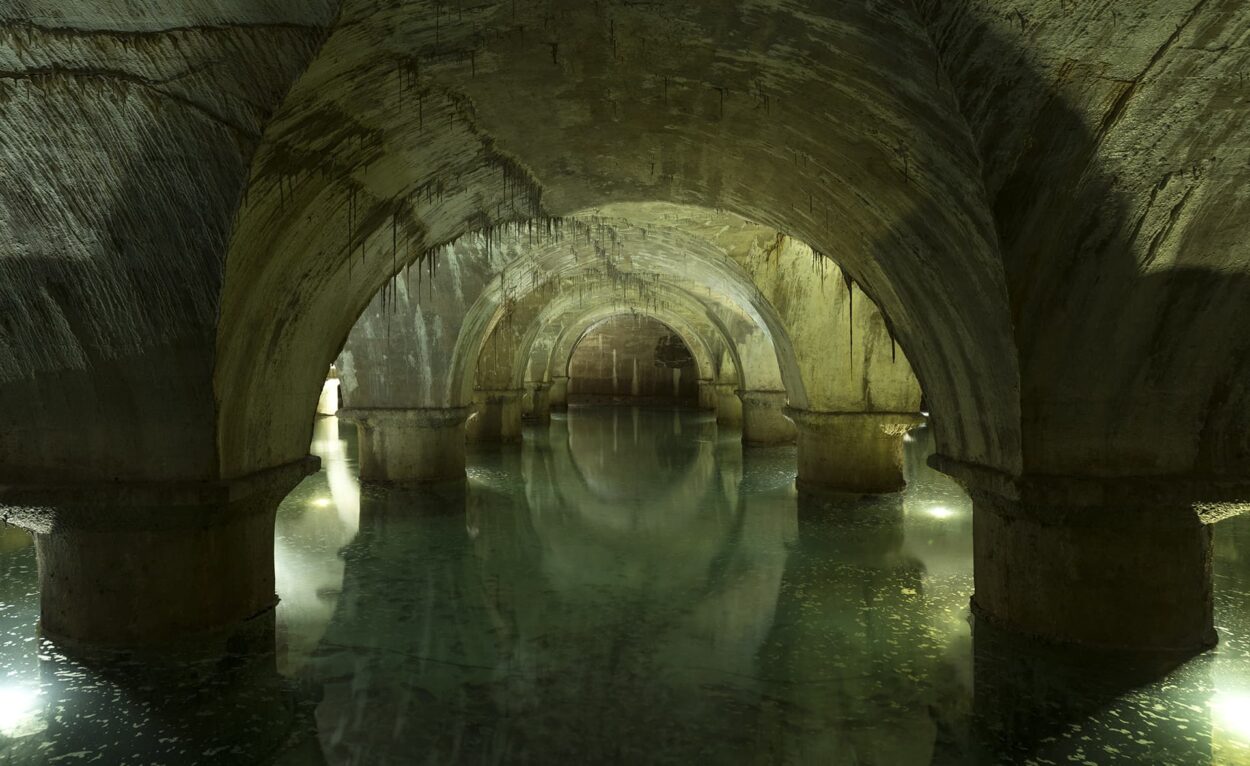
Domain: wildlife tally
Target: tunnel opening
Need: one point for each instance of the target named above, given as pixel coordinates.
(632, 359)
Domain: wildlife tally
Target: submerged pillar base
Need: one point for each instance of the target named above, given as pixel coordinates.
(541, 413)
(707, 395)
(410, 445)
(497, 416)
(728, 405)
(764, 422)
(559, 394)
(154, 565)
(1106, 563)
(854, 452)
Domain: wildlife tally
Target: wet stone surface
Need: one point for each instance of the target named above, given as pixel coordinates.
(626, 587)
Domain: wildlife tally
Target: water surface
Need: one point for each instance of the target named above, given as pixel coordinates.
(627, 586)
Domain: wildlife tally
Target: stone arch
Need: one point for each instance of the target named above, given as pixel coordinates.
(692, 343)
(576, 330)
(672, 315)
(383, 151)
(488, 311)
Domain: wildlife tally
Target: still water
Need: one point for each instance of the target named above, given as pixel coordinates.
(626, 587)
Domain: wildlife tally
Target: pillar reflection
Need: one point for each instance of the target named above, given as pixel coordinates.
(856, 673)
(585, 610)
(408, 660)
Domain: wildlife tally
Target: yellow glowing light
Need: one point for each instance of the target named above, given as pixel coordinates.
(940, 512)
(1232, 711)
(323, 502)
(19, 712)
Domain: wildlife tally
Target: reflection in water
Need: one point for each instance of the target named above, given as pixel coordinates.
(627, 587)
(317, 520)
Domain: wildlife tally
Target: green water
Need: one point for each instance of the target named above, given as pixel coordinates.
(627, 586)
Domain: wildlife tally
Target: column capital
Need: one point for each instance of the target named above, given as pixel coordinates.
(763, 420)
(767, 397)
(1206, 499)
(889, 423)
(1133, 577)
(498, 395)
(49, 508)
(423, 444)
(413, 417)
(851, 452)
(144, 564)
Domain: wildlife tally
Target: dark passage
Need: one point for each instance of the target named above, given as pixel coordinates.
(633, 359)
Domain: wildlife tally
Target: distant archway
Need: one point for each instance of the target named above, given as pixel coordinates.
(632, 358)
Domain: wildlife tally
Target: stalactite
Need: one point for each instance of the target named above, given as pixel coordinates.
(394, 242)
(850, 304)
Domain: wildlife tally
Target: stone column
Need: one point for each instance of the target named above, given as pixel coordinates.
(497, 419)
(410, 445)
(707, 395)
(154, 564)
(728, 406)
(1109, 563)
(763, 418)
(542, 403)
(856, 452)
(559, 394)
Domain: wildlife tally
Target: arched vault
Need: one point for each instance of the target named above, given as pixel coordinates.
(550, 351)
(387, 148)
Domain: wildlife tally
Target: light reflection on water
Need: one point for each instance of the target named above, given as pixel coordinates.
(627, 587)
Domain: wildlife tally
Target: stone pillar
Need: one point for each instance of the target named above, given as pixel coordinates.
(410, 445)
(707, 395)
(497, 419)
(154, 564)
(1108, 563)
(542, 403)
(559, 394)
(857, 452)
(763, 418)
(728, 406)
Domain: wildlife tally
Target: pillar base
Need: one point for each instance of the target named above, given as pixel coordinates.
(410, 445)
(728, 405)
(852, 452)
(707, 395)
(559, 394)
(497, 417)
(541, 413)
(1106, 563)
(764, 422)
(154, 565)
